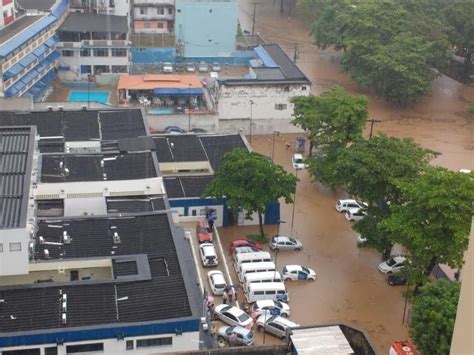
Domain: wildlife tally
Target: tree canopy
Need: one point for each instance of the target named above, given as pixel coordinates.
(433, 316)
(433, 218)
(251, 181)
(389, 46)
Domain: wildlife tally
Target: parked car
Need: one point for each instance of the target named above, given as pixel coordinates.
(245, 249)
(216, 67)
(203, 67)
(216, 282)
(344, 205)
(190, 68)
(280, 242)
(392, 265)
(198, 130)
(298, 162)
(276, 325)
(180, 67)
(298, 272)
(397, 279)
(232, 316)
(361, 240)
(272, 307)
(355, 214)
(238, 335)
(174, 130)
(167, 67)
(208, 254)
(243, 243)
(203, 232)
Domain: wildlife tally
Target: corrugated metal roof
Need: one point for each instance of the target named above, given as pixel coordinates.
(15, 168)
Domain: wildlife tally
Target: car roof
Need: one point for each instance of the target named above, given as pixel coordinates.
(278, 319)
(297, 155)
(217, 276)
(235, 311)
(282, 237)
(399, 259)
(265, 303)
(206, 247)
(294, 267)
(347, 201)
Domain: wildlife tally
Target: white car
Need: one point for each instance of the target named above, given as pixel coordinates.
(298, 272)
(216, 67)
(355, 214)
(298, 162)
(167, 67)
(216, 282)
(232, 316)
(238, 335)
(280, 242)
(208, 254)
(361, 240)
(203, 67)
(344, 205)
(392, 265)
(272, 307)
(276, 325)
(190, 68)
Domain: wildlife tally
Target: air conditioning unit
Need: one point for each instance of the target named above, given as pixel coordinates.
(64, 319)
(117, 238)
(60, 108)
(41, 240)
(66, 238)
(46, 253)
(50, 108)
(84, 108)
(64, 307)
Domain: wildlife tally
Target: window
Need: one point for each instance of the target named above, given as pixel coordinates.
(144, 343)
(51, 351)
(303, 88)
(160, 25)
(119, 69)
(257, 293)
(1, 248)
(119, 52)
(100, 69)
(179, 10)
(22, 352)
(146, 24)
(86, 52)
(101, 52)
(286, 88)
(160, 11)
(68, 53)
(15, 246)
(170, 11)
(280, 107)
(129, 345)
(143, 11)
(82, 348)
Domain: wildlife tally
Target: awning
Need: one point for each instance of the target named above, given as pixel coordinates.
(14, 70)
(41, 50)
(177, 92)
(30, 76)
(27, 60)
(52, 41)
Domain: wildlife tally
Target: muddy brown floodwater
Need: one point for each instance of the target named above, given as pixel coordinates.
(349, 288)
(439, 122)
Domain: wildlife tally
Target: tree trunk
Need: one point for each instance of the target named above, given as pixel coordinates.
(431, 265)
(260, 222)
(310, 154)
(386, 253)
(467, 66)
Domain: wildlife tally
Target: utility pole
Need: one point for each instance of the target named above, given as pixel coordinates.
(281, 6)
(295, 55)
(253, 19)
(372, 126)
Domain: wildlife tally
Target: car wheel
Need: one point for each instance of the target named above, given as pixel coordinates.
(276, 249)
(287, 279)
(311, 279)
(260, 329)
(216, 317)
(297, 249)
(284, 315)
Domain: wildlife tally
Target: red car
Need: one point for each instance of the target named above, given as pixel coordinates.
(203, 233)
(243, 243)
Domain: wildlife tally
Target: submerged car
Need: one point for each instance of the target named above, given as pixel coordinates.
(397, 279)
(276, 325)
(298, 162)
(233, 316)
(216, 282)
(298, 272)
(271, 306)
(236, 335)
(280, 242)
(355, 214)
(392, 265)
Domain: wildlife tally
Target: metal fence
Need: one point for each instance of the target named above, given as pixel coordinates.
(246, 42)
(153, 40)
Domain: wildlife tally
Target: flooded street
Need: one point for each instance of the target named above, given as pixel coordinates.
(439, 122)
(349, 288)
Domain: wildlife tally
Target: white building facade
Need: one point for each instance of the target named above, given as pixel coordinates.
(153, 16)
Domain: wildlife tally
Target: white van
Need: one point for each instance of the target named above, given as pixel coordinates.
(258, 277)
(208, 254)
(257, 257)
(246, 268)
(266, 291)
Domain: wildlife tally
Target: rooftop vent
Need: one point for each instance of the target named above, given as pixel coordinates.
(117, 238)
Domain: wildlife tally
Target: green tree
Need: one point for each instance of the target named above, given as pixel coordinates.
(370, 170)
(471, 109)
(251, 181)
(459, 16)
(433, 218)
(433, 316)
(332, 119)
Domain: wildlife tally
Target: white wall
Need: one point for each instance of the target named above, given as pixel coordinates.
(186, 342)
(14, 262)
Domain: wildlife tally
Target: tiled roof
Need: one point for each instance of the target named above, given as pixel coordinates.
(79, 22)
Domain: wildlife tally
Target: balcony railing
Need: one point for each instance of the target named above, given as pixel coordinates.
(95, 43)
(142, 3)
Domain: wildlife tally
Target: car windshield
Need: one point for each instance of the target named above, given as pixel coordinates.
(243, 317)
(278, 304)
(391, 262)
(249, 335)
(285, 270)
(292, 240)
(305, 269)
(298, 160)
(211, 258)
(219, 285)
(230, 330)
(203, 230)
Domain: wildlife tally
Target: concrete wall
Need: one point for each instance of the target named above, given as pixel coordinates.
(14, 262)
(160, 122)
(16, 103)
(206, 27)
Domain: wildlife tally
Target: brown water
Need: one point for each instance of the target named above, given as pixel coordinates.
(349, 288)
(438, 122)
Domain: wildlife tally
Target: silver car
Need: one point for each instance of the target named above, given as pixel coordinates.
(276, 325)
(236, 335)
(280, 242)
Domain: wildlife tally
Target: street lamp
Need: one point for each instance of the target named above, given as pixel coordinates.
(273, 142)
(189, 108)
(294, 201)
(251, 116)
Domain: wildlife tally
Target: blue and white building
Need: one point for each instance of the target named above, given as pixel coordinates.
(28, 58)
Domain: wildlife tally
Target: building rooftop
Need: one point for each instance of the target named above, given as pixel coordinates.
(97, 167)
(57, 127)
(135, 204)
(87, 22)
(16, 27)
(179, 148)
(16, 154)
(216, 146)
(160, 294)
(186, 186)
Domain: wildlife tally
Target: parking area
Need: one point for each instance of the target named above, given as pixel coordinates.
(349, 289)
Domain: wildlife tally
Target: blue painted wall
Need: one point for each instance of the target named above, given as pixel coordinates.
(207, 28)
(152, 55)
(66, 336)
